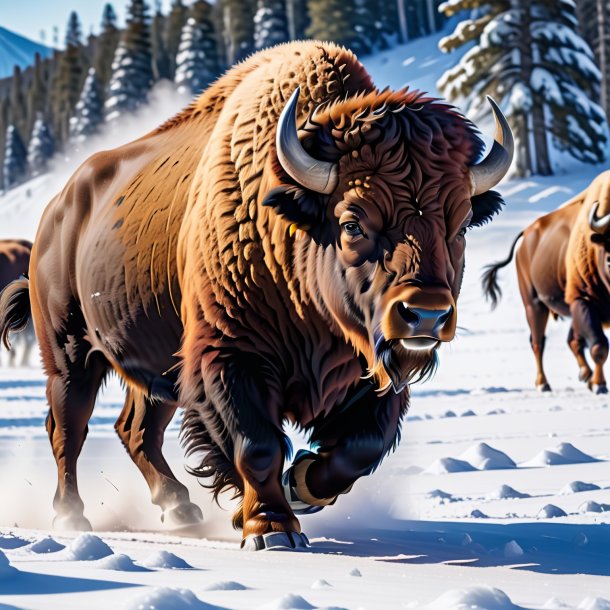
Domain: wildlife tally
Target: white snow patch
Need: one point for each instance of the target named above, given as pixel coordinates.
(355, 572)
(440, 496)
(166, 598)
(120, 563)
(225, 585)
(478, 514)
(550, 511)
(321, 584)
(484, 457)
(564, 453)
(548, 192)
(447, 464)
(593, 507)
(555, 604)
(86, 547)
(289, 602)
(512, 550)
(166, 560)
(473, 598)
(594, 603)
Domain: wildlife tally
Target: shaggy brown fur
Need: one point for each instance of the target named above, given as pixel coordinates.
(563, 269)
(184, 241)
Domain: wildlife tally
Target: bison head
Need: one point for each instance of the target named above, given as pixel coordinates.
(385, 185)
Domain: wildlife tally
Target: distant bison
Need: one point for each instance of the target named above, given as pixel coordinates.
(288, 248)
(563, 267)
(14, 262)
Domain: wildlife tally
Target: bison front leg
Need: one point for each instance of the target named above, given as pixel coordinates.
(577, 345)
(141, 427)
(351, 445)
(587, 324)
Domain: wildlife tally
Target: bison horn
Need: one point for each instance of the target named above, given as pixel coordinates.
(598, 225)
(486, 174)
(312, 174)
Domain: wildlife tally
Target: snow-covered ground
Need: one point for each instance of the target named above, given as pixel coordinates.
(498, 496)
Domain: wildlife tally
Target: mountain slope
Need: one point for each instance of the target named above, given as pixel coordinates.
(18, 50)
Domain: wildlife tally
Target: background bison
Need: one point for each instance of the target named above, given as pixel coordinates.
(256, 274)
(563, 267)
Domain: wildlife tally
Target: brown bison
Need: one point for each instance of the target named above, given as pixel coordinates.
(288, 248)
(563, 268)
(14, 262)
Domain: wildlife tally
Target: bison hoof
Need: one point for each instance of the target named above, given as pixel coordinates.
(71, 523)
(276, 541)
(601, 388)
(543, 387)
(183, 514)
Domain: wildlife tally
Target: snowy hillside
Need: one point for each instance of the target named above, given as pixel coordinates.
(498, 497)
(18, 50)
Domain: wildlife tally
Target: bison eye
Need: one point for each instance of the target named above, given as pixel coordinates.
(352, 228)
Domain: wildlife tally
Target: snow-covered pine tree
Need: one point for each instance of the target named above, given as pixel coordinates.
(37, 92)
(594, 19)
(297, 17)
(89, 111)
(18, 108)
(41, 147)
(132, 75)
(176, 20)
(530, 58)
(105, 46)
(270, 24)
(197, 60)
(15, 166)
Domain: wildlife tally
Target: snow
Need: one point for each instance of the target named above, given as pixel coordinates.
(484, 457)
(403, 537)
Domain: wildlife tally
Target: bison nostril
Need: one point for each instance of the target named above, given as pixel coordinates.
(442, 319)
(408, 315)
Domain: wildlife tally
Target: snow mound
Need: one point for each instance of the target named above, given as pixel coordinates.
(120, 563)
(225, 585)
(505, 492)
(478, 514)
(447, 465)
(512, 550)
(6, 569)
(12, 542)
(45, 545)
(355, 572)
(87, 547)
(289, 602)
(448, 414)
(484, 457)
(550, 511)
(440, 496)
(321, 584)
(594, 603)
(564, 453)
(468, 413)
(593, 507)
(576, 487)
(166, 598)
(166, 560)
(473, 598)
(555, 604)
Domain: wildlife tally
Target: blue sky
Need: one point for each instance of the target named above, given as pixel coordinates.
(30, 17)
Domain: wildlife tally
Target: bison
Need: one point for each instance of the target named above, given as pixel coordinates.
(563, 269)
(290, 247)
(14, 262)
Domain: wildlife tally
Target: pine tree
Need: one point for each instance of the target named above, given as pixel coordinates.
(132, 75)
(4, 123)
(175, 22)
(89, 111)
(161, 61)
(298, 18)
(270, 24)
(68, 79)
(18, 108)
(594, 18)
(340, 22)
(197, 60)
(15, 159)
(106, 46)
(238, 20)
(37, 93)
(529, 57)
(41, 147)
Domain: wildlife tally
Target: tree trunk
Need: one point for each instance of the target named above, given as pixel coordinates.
(603, 34)
(402, 20)
(431, 16)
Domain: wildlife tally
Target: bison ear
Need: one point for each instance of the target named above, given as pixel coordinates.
(294, 204)
(484, 207)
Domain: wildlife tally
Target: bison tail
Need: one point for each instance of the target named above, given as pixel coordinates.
(15, 309)
(489, 280)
